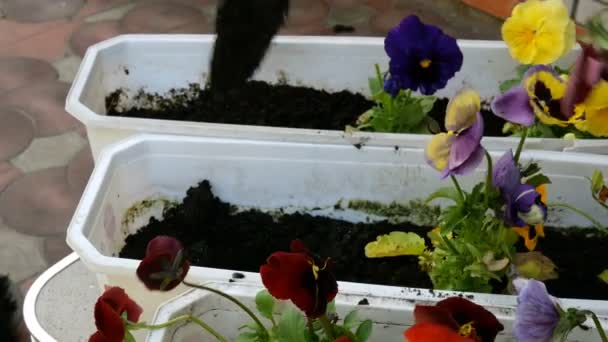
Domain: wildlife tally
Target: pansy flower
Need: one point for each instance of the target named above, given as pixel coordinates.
(539, 96)
(164, 266)
(301, 278)
(421, 56)
(525, 205)
(454, 319)
(538, 314)
(592, 114)
(539, 31)
(459, 150)
(111, 310)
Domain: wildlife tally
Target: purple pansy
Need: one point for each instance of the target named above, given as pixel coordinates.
(523, 205)
(537, 315)
(421, 57)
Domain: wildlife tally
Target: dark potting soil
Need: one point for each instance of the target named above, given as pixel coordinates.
(216, 236)
(263, 104)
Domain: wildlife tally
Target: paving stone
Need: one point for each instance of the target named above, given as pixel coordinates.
(161, 17)
(16, 72)
(55, 249)
(20, 254)
(92, 33)
(381, 5)
(55, 151)
(44, 102)
(350, 16)
(79, 169)
(344, 4)
(8, 174)
(40, 10)
(39, 203)
(305, 12)
(16, 132)
(25, 284)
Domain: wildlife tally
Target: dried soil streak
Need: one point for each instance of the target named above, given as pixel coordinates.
(278, 105)
(215, 237)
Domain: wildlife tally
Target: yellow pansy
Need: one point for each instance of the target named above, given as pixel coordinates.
(539, 31)
(592, 114)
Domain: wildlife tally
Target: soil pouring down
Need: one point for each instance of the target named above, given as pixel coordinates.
(217, 234)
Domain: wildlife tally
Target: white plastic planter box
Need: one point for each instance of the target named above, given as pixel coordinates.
(270, 175)
(158, 63)
(391, 315)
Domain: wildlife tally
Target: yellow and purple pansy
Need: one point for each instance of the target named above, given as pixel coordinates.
(458, 151)
(538, 96)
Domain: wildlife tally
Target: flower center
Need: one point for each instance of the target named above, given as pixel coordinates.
(466, 330)
(529, 35)
(425, 63)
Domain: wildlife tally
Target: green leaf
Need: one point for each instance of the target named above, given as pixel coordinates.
(597, 181)
(395, 244)
(265, 303)
(247, 337)
(331, 307)
(350, 319)
(535, 265)
(364, 331)
(538, 180)
(427, 103)
(508, 84)
(129, 337)
(292, 326)
(375, 86)
(522, 69)
(445, 192)
(603, 276)
(530, 169)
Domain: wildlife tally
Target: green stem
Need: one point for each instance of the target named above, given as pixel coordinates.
(188, 318)
(458, 188)
(520, 146)
(488, 178)
(580, 212)
(232, 299)
(379, 75)
(598, 325)
(448, 243)
(327, 327)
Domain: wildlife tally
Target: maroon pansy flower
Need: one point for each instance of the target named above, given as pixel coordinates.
(111, 307)
(301, 278)
(164, 265)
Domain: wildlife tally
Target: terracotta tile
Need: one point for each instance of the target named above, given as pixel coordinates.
(44, 102)
(16, 132)
(11, 31)
(96, 6)
(41, 10)
(501, 9)
(79, 170)
(48, 45)
(39, 203)
(160, 17)
(16, 72)
(86, 35)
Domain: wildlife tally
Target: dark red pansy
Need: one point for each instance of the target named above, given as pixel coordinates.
(451, 317)
(301, 278)
(343, 339)
(110, 308)
(164, 266)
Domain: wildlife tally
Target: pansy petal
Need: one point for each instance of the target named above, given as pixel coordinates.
(464, 311)
(540, 67)
(462, 111)
(537, 315)
(427, 332)
(109, 322)
(437, 151)
(506, 175)
(466, 143)
(281, 275)
(470, 164)
(514, 106)
(436, 315)
(595, 119)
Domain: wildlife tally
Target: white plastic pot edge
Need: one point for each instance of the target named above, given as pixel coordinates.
(92, 119)
(100, 263)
